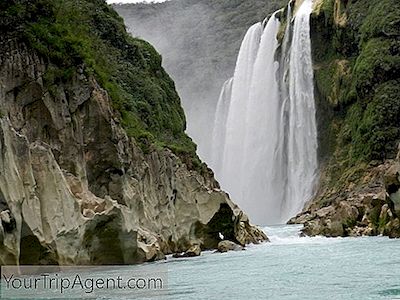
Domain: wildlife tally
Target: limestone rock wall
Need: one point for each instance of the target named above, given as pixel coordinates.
(75, 189)
(364, 204)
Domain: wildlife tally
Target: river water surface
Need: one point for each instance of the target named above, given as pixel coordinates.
(289, 267)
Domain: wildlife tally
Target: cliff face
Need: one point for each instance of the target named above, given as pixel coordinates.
(86, 171)
(356, 52)
(199, 41)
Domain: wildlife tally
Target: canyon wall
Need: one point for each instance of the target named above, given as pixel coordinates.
(87, 176)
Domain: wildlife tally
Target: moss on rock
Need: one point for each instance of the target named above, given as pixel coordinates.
(90, 33)
(357, 78)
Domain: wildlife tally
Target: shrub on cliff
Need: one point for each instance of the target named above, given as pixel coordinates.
(364, 95)
(89, 33)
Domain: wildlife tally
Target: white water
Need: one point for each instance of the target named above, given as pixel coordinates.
(265, 155)
(260, 139)
(232, 149)
(219, 130)
(302, 147)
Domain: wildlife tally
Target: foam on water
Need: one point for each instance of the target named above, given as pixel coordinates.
(291, 234)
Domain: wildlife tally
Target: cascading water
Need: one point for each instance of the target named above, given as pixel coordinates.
(262, 123)
(219, 130)
(265, 135)
(232, 148)
(302, 143)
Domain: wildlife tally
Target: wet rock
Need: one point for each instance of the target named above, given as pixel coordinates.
(386, 213)
(301, 218)
(362, 231)
(363, 208)
(148, 247)
(194, 250)
(313, 228)
(245, 233)
(225, 246)
(334, 228)
(347, 212)
(392, 228)
(356, 231)
(392, 185)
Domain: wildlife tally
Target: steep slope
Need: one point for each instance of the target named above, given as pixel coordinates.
(199, 42)
(356, 49)
(95, 167)
(356, 67)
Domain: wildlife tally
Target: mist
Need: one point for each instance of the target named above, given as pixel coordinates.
(199, 42)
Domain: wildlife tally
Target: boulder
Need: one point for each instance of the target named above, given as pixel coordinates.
(347, 212)
(313, 227)
(334, 228)
(246, 233)
(392, 229)
(225, 246)
(392, 185)
(194, 250)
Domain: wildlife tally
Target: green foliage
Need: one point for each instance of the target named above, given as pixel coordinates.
(374, 126)
(332, 80)
(379, 61)
(328, 9)
(364, 92)
(90, 34)
(200, 37)
(382, 20)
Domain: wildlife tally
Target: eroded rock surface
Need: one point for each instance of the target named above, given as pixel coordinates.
(75, 189)
(225, 246)
(365, 206)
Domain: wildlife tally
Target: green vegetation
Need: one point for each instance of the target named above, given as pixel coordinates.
(89, 34)
(378, 62)
(206, 35)
(200, 40)
(374, 126)
(382, 20)
(358, 76)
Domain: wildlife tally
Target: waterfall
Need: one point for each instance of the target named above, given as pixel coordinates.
(219, 129)
(302, 143)
(232, 149)
(265, 135)
(260, 138)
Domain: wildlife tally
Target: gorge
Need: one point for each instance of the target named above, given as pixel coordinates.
(159, 161)
(353, 144)
(96, 167)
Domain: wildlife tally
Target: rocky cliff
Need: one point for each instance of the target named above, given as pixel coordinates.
(356, 52)
(199, 41)
(95, 167)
